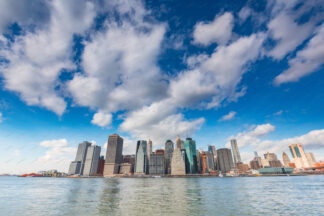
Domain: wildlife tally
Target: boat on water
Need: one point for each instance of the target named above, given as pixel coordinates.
(31, 175)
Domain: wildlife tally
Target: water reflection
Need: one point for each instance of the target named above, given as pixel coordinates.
(162, 196)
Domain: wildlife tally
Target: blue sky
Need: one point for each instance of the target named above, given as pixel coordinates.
(81, 70)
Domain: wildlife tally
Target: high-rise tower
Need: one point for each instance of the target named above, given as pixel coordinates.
(149, 149)
(190, 147)
(169, 147)
(92, 161)
(300, 158)
(141, 159)
(236, 152)
(114, 155)
(225, 160)
(178, 142)
(77, 166)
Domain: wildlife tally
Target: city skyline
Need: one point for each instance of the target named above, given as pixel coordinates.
(155, 70)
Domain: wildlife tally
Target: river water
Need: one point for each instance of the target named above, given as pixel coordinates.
(294, 195)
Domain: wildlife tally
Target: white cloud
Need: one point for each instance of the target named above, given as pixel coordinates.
(245, 13)
(1, 117)
(37, 57)
(307, 60)
(102, 119)
(288, 34)
(254, 138)
(278, 113)
(229, 116)
(58, 156)
(219, 30)
(121, 71)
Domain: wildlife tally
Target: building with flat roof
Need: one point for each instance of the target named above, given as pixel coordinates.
(285, 159)
(169, 147)
(190, 148)
(114, 155)
(92, 161)
(141, 159)
(77, 166)
(157, 164)
(178, 166)
(225, 160)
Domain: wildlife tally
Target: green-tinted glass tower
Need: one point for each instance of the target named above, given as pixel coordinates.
(191, 162)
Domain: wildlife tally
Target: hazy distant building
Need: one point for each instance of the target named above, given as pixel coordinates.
(298, 153)
(149, 149)
(114, 155)
(271, 160)
(141, 159)
(311, 159)
(255, 165)
(190, 148)
(236, 152)
(199, 161)
(225, 160)
(92, 160)
(77, 166)
(157, 163)
(178, 143)
(285, 159)
(169, 147)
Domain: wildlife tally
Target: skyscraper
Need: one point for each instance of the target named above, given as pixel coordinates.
(169, 147)
(211, 157)
(114, 155)
(149, 149)
(225, 160)
(300, 158)
(178, 166)
(190, 147)
(199, 161)
(157, 163)
(77, 166)
(92, 161)
(204, 163)
(141, 160)
(285, 159)
(236, 152)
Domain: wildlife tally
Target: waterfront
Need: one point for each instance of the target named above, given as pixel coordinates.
(298, 195)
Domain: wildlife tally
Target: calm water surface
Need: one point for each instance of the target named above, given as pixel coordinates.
(163, 196)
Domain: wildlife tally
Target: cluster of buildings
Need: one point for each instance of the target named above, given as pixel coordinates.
(179, 159)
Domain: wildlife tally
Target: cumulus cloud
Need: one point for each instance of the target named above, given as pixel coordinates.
(307, 60)
(229, 116)
(102, 119)
(58, 155)
(219, 30)
(255, 139)
(35, 59)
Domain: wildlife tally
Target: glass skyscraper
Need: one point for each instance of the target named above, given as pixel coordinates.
(191, 163)
(236, 152)
(169, 147)
(141, 159)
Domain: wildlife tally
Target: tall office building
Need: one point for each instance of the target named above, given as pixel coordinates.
(300, 158)
(141, 159)
(190, 148)
(178, 166)
(92, 161)
(211, 157)
(114, 155)
(157, 163)
(236, 152)
(225, 160)
(285, 159)
(204, 163)
(169, 147)
(77, 166)
(149, 149)
(101, 165)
